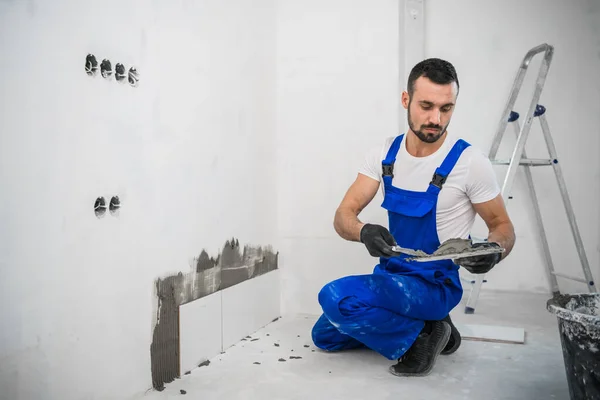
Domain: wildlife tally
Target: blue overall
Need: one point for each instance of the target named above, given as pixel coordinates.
(386, 310)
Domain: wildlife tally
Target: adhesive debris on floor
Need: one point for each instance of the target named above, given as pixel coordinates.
(281, 362)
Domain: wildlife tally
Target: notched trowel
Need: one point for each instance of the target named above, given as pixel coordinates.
(449, 250)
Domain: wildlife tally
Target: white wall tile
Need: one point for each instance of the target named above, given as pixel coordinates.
(250, 305)
(200, 331)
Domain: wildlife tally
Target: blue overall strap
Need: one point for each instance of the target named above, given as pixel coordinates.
(442, 172)
(387, 165)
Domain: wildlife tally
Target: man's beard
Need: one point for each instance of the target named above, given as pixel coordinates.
(426, 137)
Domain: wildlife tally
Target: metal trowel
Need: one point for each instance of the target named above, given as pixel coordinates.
(449, 250)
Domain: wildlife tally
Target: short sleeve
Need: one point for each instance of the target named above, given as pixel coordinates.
(371, 165)
(482, 182)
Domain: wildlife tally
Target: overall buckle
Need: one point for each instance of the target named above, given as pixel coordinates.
(388, 169)
(438, 180)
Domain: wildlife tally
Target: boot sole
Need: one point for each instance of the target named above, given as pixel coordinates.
(438, 349)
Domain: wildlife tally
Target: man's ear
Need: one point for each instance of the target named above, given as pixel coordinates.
(405, 99)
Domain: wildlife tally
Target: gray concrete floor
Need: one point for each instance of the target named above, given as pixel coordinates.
(478, 370)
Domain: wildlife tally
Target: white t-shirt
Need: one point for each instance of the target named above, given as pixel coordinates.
(471, 181)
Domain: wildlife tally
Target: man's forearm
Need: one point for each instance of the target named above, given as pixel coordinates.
(504, 235)
(347, 224)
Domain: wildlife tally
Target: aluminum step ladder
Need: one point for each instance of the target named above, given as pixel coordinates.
(519, 158)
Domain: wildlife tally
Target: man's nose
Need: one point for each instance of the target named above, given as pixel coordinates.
(434, 117)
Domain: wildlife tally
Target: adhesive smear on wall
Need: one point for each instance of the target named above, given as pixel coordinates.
(209, 275)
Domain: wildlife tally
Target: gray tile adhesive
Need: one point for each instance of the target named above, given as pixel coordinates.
(231, 267)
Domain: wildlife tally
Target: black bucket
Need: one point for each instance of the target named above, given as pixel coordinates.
(579, 326)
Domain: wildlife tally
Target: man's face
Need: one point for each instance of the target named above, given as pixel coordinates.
(430, 108)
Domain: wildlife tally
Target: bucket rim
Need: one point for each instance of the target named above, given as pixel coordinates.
(574, 316)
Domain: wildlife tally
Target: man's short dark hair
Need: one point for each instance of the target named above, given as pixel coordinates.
(437, 70)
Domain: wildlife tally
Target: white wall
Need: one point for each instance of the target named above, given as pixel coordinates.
(190, 152)
(339, 93)
(338, 82)
(486, 41)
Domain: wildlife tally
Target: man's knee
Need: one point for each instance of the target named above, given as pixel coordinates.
(328, 294)
(327, 337)
(317, 333)
(322, 333)
(336, 299)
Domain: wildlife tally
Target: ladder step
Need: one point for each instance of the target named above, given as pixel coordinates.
(527, 161)
(573, 278)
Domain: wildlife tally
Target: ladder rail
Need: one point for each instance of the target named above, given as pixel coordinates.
(567, 204)
(540, 223)
(525, 129)
(514, 92)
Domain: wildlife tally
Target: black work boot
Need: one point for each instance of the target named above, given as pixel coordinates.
(420, 358)
(455, 339)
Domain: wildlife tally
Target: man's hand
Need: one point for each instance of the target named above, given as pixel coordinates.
(480, 264)
(378, 240)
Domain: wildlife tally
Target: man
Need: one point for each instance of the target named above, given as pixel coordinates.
(433, 186)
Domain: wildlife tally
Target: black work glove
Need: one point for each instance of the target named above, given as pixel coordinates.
(480, 264)
(378, 240)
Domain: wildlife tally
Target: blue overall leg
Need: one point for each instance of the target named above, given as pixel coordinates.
(382, 311)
